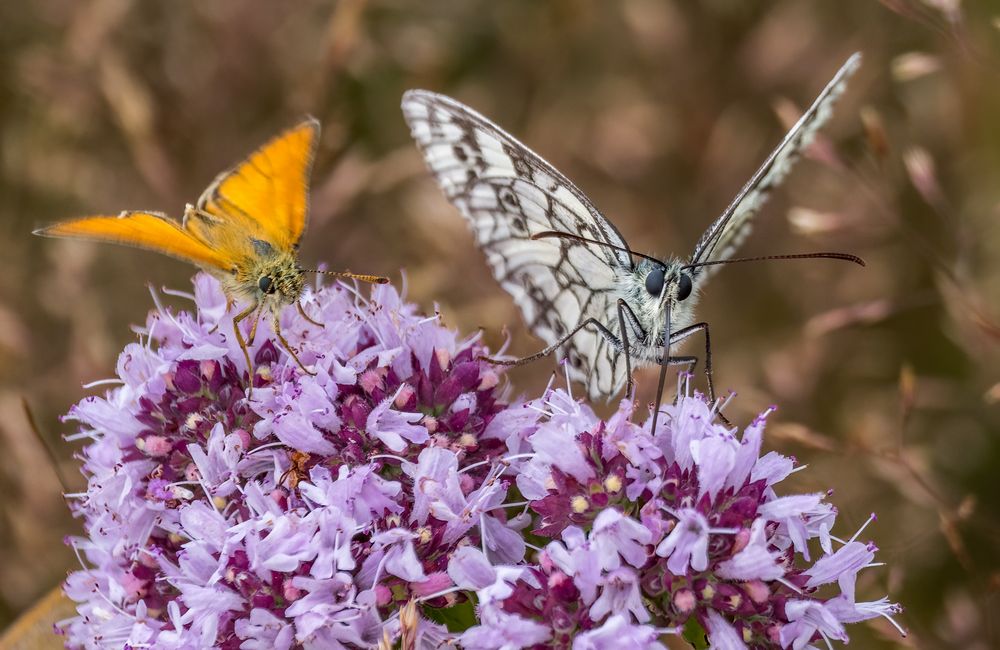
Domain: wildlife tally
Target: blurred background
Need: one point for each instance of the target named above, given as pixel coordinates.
(887, 377)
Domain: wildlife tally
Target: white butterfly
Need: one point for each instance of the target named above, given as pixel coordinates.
(568, 268)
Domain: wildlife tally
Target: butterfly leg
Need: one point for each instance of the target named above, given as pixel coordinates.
(253, 328)
(243, 344)
(547, 351)
(684, 333)
(306, 316)
(623, 308)
(688, 331)
(288, 348)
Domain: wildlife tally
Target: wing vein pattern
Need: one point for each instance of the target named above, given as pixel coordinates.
(508, 193)
(728, 232)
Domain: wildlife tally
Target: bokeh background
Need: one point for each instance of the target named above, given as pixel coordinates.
(887, 377)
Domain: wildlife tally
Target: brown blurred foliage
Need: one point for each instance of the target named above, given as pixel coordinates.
(887, 377)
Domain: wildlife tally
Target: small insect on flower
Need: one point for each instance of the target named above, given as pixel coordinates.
(297, 471)
(245, 230)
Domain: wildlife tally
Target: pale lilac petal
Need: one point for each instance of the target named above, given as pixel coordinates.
(499, 629)
(617, 632)
(722, 635)
(620, 594)
(756, 561)
(715, 457)
(615, 534)
(848, 559)
(687, 543)
(470, 569)
(748, 454)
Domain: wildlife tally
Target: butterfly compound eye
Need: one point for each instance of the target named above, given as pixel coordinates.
(266, 284)
(684, 286)
(654, 282)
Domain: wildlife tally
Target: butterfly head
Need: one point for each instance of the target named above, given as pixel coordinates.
(281, 284)
(274, 279)
(661, 290)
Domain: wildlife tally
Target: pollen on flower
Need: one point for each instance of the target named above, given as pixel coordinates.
(579, 504)
(613, 483)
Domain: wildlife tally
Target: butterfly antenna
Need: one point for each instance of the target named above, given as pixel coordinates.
(847, 257)
(547, 234)
(373, 279)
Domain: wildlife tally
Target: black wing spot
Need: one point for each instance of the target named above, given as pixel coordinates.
(460, 153)
(508, 199)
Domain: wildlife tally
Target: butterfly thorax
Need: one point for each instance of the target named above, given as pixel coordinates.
(650, 309)
(273, 278)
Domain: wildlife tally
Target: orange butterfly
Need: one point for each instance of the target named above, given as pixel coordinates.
(244, 230)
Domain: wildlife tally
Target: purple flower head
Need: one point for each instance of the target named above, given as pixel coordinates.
(296, 517)
(684, 524)
(350, 506)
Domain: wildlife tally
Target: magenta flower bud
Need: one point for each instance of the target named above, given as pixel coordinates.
(685, 601)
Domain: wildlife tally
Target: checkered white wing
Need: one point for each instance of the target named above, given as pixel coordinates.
(729, 231)
(508, 193)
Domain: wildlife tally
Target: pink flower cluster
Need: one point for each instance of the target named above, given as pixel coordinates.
(654, 532)
(394, 497)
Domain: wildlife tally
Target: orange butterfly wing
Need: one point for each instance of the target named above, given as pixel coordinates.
(147, 230)
(265, 197)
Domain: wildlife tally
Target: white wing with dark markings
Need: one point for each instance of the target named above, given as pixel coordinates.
(733, 226)
(509, 193)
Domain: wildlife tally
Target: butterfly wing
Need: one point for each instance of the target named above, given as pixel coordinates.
(508, 193)
(147, 230)
(265, 197)
(727, 233)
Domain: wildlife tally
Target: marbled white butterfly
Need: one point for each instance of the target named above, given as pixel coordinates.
(568, 268)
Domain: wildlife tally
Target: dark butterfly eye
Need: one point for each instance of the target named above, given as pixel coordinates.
(266, 284)
(684, 286)
(654, 281)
